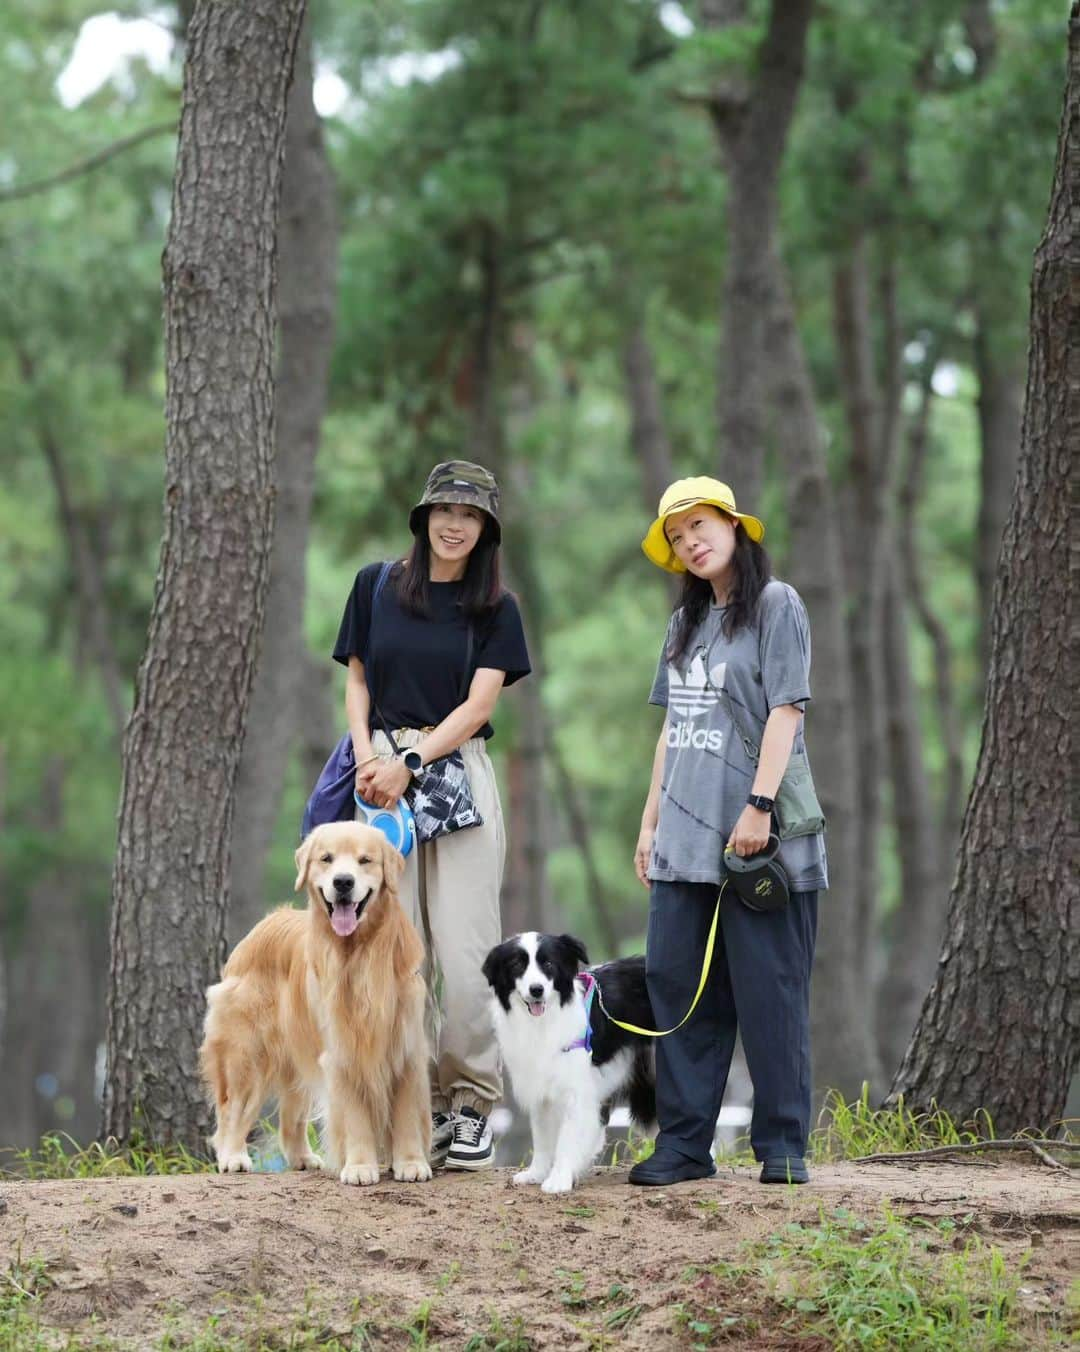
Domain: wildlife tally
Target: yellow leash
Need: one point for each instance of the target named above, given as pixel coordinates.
(710, 944)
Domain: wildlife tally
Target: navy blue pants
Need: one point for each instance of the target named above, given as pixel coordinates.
(759, 985)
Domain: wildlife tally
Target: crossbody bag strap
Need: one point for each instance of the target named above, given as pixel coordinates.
(750, 743)
(466, 677)
(380, 583)
(752, 748)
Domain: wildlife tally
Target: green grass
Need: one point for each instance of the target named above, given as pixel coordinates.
(847, 1130)
(501, 1335)
(22, 1328)
(844, 1131)
(877, 1286)
(59, 1156)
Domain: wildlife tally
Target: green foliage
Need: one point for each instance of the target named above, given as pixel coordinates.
(873, 1285)
(563, 157)
(847, 1130)
(501, 1335)
(58, 1156)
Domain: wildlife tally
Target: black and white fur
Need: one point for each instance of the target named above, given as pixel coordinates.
(538, 1010)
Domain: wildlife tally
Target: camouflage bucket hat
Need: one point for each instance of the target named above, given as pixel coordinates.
(460, 481)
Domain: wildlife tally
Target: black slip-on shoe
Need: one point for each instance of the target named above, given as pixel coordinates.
(784, 1169)
(668, 1166)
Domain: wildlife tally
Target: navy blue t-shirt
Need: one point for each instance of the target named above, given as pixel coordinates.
(414, 664)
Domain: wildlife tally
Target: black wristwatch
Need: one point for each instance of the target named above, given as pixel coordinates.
(762, 803)
(412, 760)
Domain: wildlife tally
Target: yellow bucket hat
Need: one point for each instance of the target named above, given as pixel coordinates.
(685, 493)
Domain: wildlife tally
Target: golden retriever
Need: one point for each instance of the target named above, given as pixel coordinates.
(326, 1007)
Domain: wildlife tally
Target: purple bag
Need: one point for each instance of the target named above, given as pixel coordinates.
(332, 797)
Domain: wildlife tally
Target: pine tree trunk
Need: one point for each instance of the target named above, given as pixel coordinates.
(648, 436)
(914, 927)
(844, 1050)
(307, 254)
(1000, 1027)
(998, 353)
(1000, 400)
(752, 125)
(182, 748)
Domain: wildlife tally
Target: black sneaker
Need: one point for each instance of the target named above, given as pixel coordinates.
(473, 1146)
(442, 1134)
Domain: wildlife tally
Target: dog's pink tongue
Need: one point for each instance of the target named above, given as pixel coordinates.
(344, 919)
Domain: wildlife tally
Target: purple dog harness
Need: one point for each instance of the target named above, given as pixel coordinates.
(589, 982)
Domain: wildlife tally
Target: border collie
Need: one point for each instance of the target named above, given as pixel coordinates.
(566, 1059)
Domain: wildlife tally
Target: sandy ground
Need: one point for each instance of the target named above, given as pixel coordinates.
(139, 1256)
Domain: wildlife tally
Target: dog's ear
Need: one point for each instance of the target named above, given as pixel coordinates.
(393, 864)
(303, 860)
(574, 948)
(491, 963)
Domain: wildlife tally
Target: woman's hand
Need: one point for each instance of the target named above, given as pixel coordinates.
(363, 778)
(384, 781)
(751, 832)
(643, 853)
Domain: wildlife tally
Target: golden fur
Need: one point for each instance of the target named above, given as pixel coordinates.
(313, 1016)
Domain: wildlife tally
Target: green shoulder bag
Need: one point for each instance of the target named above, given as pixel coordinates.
(798, 812)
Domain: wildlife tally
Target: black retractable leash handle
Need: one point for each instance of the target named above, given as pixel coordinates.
(759, 881)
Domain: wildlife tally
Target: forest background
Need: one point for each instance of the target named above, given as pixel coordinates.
(525, 233)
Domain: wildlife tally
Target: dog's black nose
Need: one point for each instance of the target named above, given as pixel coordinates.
(343, 883)
(536, 991)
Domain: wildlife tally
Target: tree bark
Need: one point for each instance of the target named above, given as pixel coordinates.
(872, 412)
(999, 358)
(915, 926)
(844, 1051)
(1000, 1027)
(752, 125)
(648, 435)
(307, 259)
(183, 742)
(948, 718)
(1000, 376)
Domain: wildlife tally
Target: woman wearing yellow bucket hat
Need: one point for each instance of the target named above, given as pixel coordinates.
(733, 677)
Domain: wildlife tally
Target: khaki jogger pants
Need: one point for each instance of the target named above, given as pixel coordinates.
(450, 891)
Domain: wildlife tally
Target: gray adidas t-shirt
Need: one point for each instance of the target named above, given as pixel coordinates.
(707, 771)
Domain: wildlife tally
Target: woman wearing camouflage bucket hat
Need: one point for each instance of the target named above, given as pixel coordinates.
(408, 631)
(730, 771)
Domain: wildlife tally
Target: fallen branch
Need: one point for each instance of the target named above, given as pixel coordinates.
(942, 1152)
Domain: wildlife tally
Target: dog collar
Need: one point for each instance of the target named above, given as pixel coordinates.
(589, 982)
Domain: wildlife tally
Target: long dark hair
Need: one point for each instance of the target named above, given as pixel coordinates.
(751, 569)
(482, 584)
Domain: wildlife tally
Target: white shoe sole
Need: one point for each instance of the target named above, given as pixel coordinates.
(471, 1166)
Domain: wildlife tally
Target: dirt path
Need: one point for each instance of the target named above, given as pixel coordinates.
(606, 1266)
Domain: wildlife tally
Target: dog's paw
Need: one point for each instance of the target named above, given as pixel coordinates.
(360, 1174)
(558, 1180)
(523, 1179)
(308, 1161)
(412, 1171)
(237, 1163)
